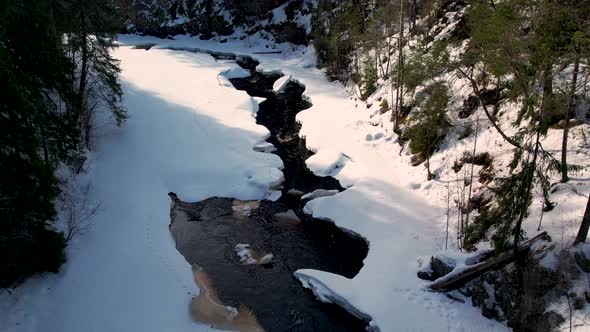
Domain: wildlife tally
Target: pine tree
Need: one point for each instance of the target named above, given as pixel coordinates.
(577, 47)
(91, 39)
(56, 71)
(427, 127)
(369, 78)
(34, 136)
(501, 49)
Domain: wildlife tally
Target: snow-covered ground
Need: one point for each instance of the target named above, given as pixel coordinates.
(190, 132)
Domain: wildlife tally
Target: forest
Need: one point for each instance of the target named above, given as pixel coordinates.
(57, 73)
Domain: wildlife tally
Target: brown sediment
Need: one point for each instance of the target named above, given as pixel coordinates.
(242, 209)
(206, 233)
(208, 309)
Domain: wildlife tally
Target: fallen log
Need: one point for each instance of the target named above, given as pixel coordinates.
(267, 52)
(457, 278)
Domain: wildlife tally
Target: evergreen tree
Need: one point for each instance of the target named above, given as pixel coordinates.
(56, 72)
(428, 126)
(369, 78)
(34, 135)
(91, 39)
(519, 42)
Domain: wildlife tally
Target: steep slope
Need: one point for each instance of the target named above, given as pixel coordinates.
(277, 20)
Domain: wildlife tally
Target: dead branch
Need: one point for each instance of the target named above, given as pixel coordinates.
(459, 278)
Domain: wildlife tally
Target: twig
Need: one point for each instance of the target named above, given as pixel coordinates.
(454, 298)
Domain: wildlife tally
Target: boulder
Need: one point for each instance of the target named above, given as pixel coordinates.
(295, 193)
(442, 265)
(582, 261)
(439, 267)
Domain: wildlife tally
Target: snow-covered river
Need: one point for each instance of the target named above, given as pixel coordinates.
(192, 132)
(249, 250)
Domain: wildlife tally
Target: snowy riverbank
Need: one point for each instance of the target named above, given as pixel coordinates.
(186, 133)
(192, 133)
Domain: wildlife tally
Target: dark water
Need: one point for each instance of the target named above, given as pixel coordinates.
(277, 113)
(208, 237)
(212, 228)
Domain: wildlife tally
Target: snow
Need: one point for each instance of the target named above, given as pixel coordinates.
(246, 255)
(186, 133)
(319, 193)
(175, 22)
(243, 251)
(265, 178)
(266, 259)
(325, 162)
(264, 147)
(192, 133)
(402, 226)
(236, 72)
(280, 84)
(304, 21)
(279, 15)
(326, 295)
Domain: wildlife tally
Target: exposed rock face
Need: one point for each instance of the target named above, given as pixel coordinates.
(521, 296)
(439, 267)
(163, 18)
(254, 7)
(290, 32)
(469, 106)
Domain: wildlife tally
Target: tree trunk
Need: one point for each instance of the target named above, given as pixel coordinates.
(584, 226)
(492, 119)
(527, 193)
(399, 102)
(471, 175)
(547, 90)
(456, 280)
(414, 13)
(84, 64)
(570, 111)
(429, 175)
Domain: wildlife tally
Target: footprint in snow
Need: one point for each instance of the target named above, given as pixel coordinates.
(414, 185)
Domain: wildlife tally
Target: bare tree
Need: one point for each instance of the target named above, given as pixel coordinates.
(468, 74)
(78, 214)
(448, 212)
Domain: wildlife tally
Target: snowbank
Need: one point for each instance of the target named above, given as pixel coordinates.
(325, 162)
(280, 84)
(319, 193)
(236, 72)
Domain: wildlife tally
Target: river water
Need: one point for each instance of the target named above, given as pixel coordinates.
(267, 296)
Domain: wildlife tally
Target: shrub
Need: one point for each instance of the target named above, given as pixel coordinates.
(369, 80)
(427, 63)
(428, 126)
(25, 251)
(384, 106)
